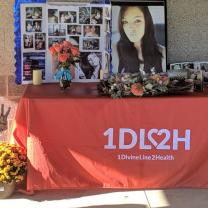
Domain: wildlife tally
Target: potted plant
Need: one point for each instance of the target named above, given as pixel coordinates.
(13, 162)
(65, 55)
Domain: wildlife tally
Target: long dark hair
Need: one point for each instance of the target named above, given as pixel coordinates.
(128, 54)
(85, 65)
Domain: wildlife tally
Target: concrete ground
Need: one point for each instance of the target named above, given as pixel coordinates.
(110, 198)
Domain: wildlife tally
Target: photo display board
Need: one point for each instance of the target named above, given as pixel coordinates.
(85, 25)
(139, 36)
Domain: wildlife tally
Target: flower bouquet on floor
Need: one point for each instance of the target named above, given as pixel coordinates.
(13, 162)
(66, 56)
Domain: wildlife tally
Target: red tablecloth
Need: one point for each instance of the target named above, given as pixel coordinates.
(78, 139)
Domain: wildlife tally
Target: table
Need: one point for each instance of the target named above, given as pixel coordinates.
(77, 139)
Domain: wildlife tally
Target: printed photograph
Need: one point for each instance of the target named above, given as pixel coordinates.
(84, 15)
(74, 40)
(91, 31)
(51, 41)
(52, 15)
(176, 66)
(96, 15)
(33, 61)
(33, 12)
(133, 48)
(28, 41)
(91, 44)
(29, 26)
(67, 17)
(33, 26)
(90, 65)
(56, 30)
(187, 65)
(204, 68)
(40, 41)
(74, 29)
(37, 26)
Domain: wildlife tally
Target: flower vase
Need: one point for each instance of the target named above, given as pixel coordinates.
(6, 189)
(64, 76)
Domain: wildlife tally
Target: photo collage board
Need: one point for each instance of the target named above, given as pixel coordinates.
(86, 26)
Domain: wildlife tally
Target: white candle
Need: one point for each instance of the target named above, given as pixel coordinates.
(37, 77)
(101, 74)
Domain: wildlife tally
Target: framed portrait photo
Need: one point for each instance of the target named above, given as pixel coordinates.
(139, 36)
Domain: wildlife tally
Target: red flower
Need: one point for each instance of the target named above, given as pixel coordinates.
(67, 44)
(63, 57)
(52, 50)
(75, 51)
(137, 89)
(58, 47)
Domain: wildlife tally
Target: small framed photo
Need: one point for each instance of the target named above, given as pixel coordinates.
(40, 41)
(204, 68)
(91, 31)
(96, 15)
(37, 26)
(52, 15)
(28, 41)
(33, 12)
(67, 16)
(90, 65)
(187, 65)
(84, 15)
(176, 66)
(74, 29)
(51, 41)
(56, 30)
(74, 40)
(91, 44)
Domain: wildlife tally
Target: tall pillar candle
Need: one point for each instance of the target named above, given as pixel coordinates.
(37, 77)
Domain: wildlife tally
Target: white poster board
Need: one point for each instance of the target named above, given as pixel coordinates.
(84, 25)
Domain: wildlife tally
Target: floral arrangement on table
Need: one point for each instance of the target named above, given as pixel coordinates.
(13, 162)
(67, 55)
(127, 84)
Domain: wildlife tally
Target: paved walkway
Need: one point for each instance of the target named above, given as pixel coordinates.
(169, 198)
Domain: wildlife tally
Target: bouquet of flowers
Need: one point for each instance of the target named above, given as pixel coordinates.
(13, 162)
(125, 85)
(67, 55)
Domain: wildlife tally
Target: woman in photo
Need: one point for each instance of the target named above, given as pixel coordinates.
(91, 31)
(37, 26)
(91, 65)
(96, 16)
(29, 27)
(137, 48)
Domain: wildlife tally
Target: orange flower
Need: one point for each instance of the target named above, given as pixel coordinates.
(52, 50)
(75, 51)
(58, 47)
(137, 89)
(63, 57)
(67, 44)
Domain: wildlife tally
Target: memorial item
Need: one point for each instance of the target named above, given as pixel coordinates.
(66, 56)
(128, 84)
(138, 36)
(40, 24)
(37, 76)
(13, 162)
